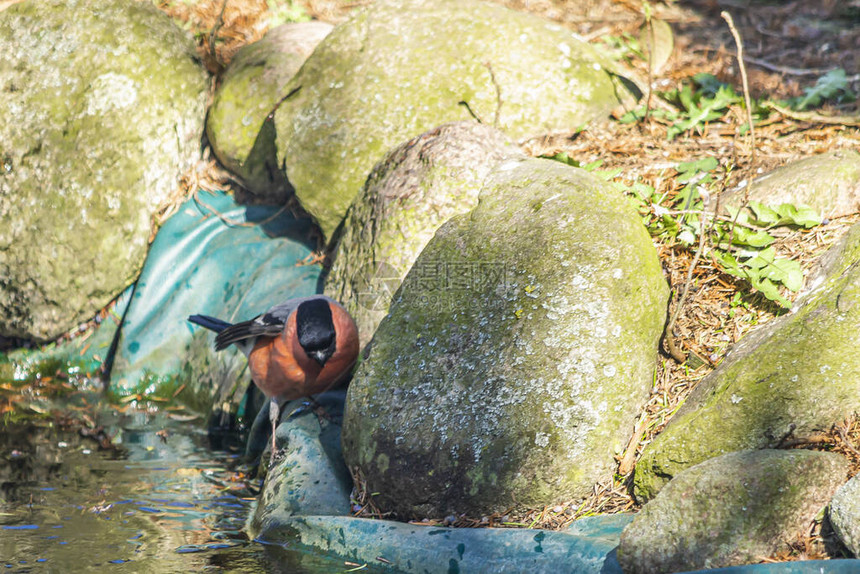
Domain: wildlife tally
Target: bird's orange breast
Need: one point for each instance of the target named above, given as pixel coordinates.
(282, 369)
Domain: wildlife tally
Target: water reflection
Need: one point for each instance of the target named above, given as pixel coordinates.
(160, 502)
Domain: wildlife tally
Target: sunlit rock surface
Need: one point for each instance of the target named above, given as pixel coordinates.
(829, 182)
(397, 69)
(238, 125)
(103, 106)
(733, 509)
(796, 376)
(417, 187)
(845, 514)
(517, 352)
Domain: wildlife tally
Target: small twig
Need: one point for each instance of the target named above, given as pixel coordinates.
(651, 43)
(669, 337)
(233, 222)
(787, 70)
(716, 217)
(469, 109)
(844, 435)
(629, 458)
(813, 117)
(218, 24)
(747, 101)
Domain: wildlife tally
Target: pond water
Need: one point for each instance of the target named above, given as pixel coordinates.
(160, 502)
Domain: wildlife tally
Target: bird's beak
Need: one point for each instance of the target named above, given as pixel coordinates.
(320, 357)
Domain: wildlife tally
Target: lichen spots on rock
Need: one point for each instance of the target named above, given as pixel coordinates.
(505, 389)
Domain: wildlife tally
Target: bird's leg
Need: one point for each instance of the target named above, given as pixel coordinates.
(274, 417)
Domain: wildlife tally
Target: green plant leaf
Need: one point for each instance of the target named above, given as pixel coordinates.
(802, 215)
(745, 236)
(832, 85)
(689, 169)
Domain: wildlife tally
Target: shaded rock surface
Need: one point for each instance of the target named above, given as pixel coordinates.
(417, 187)
(200, 263)
(239, 127)
(392, 72)
(103, 104)
(516, 354)
(829, 182)
(795, 376)
(845, 514)
(733, 509)
(309, 477)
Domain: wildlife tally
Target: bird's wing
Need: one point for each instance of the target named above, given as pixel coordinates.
(269, 324)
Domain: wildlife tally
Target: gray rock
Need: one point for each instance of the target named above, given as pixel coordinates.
(845, 514)
(239, 127)
(416, 188)
(795, 376)
(829, 182)
(309, 478)
(103, 109)
(733, 509)
(398, 69)
(516, 354)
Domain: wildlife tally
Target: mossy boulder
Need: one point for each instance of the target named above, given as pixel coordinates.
(397, 69)
(516, 354)
(417, 187)
(734, 509)
(829, 182)
(794, 377)
(103, 106)
(239, 125)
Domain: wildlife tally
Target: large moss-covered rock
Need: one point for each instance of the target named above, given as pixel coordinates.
(734, 509)
(417, 187)
(796, 376)
(829, 182)
(516, 354)
(238, 125)
(398, 69)
(102, 109)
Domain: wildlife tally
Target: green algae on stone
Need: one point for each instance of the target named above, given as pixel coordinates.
(729, 510)
(416, 188)
(793, 377)
(103, 104)
(238, 125)
(516, 353)
(392, 72)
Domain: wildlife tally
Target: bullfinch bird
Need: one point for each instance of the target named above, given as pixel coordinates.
(296, 349)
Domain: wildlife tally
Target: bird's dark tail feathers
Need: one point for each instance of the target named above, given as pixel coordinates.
(210, 323)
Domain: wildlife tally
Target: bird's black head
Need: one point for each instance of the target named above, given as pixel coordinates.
(315, 329)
